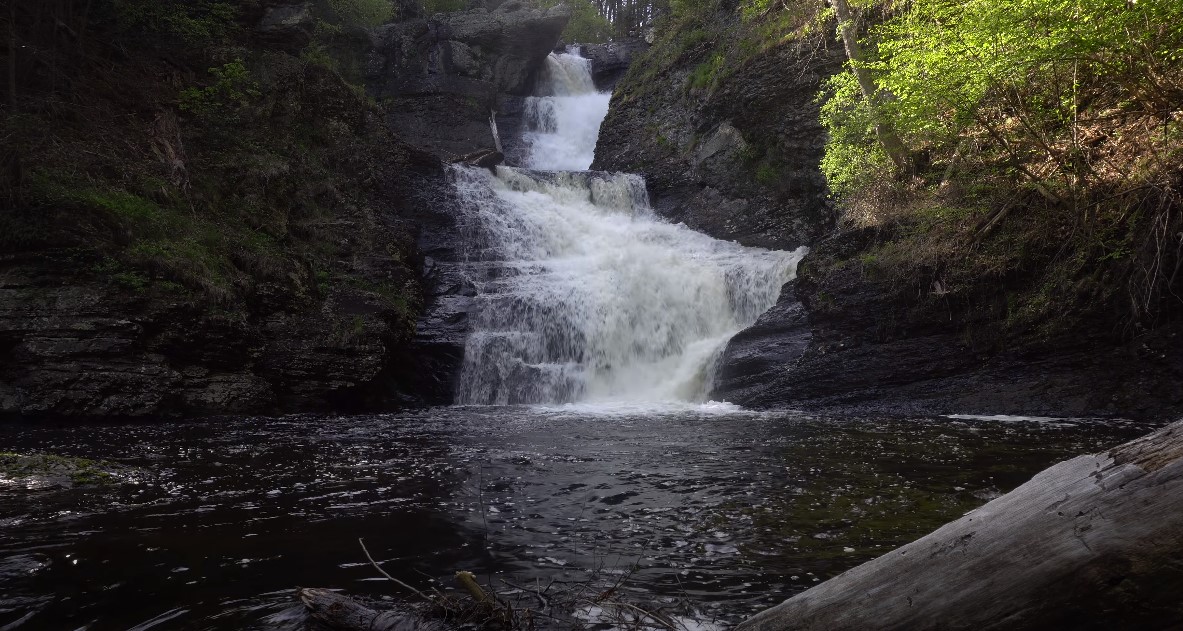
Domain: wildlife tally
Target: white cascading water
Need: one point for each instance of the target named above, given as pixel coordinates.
(565, 122)
(583, 293)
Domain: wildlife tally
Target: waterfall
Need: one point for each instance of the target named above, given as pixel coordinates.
(583, 293)
(564, 122)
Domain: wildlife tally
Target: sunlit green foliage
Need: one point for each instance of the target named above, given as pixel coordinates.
(1051, 124)
(1022, 71)
(853, 157)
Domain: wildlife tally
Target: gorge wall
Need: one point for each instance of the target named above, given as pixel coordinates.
(259, 220)
(730, 150)
(722, 119)
(267, 242)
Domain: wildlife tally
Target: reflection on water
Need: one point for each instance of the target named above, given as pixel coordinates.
(730, 510)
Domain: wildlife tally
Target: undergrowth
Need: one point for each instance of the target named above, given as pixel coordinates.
(1045, 145)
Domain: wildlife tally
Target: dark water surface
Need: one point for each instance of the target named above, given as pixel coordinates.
(727, 510)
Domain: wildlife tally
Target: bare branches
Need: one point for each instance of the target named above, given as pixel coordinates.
(374, 563)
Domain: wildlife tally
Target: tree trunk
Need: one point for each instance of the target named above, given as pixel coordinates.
(12, 54)
(1091, 543)
(888, 139)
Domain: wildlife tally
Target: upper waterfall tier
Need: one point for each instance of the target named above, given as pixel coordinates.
(585, 295)
(563, 122)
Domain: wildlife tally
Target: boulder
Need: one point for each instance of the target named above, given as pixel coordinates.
(443, 75)
(476, 52)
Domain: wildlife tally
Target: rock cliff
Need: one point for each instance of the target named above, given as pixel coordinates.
(721, 118)
(276, 243)
(728, 149)
(442, 77)
(610, 61)
(313, 311)
(877, 345)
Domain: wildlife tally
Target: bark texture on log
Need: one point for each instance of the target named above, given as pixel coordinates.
(342, 612)
(1094, 542)
(484, 158)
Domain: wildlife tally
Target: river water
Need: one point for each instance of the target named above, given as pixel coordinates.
(705, 511)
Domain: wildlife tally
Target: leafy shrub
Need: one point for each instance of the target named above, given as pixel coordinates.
(233, 87)
(194, 21)
(852, 159)
(706, 73)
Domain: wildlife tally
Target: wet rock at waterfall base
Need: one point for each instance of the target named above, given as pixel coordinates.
(879, 349)
(759, 354)
(485, 158)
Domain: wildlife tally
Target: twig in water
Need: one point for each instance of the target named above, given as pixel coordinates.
(383, 573)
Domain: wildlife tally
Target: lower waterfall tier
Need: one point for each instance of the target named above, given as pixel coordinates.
(585, 295)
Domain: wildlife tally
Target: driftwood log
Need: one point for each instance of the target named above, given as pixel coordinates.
(339, 611)
(1094, 542)
(484, 158)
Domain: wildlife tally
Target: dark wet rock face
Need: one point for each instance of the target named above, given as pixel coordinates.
(75, 344)
(759, 354)
(437, 352)
(443, 76)
(739, 160)
(611, 60)
(881, 349)
(383, 250)
(287, 24)
(77, 347)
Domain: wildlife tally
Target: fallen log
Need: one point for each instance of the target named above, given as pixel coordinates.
(339, 611)
(1094, 542)
(484, 158)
